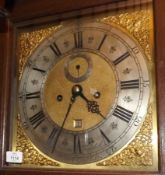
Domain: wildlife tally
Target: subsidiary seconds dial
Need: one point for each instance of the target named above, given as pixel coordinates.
(84, 93)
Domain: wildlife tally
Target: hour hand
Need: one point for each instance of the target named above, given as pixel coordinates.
(92, 106)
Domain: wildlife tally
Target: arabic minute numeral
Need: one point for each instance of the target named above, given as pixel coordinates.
(138, 120)
(136, 50)
(146, 83)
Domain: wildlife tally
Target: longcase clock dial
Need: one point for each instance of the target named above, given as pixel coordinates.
(84, 92)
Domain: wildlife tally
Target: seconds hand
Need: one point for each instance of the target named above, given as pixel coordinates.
(78, 70)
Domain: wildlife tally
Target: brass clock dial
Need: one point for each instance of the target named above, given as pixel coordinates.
(84, 92)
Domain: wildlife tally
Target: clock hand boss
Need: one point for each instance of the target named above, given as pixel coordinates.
(92, 105)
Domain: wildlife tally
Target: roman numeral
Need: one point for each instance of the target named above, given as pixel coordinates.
(104, 136)
(122, 113)
(131, 84)
(102, 41)
(37, 119)
(77, 144)
(121, 58)
(39, 70)
(33, 95)
(53, 137)
(55, 49)
(78, 39)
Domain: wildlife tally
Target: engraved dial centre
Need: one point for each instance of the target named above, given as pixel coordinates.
(87, 109)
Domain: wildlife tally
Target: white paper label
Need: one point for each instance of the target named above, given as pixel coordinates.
(14, 157)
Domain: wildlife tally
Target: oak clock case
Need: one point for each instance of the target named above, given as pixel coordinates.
(84, 93)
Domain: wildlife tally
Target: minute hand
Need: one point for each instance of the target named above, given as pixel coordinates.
(92, 105)
(72, 100)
